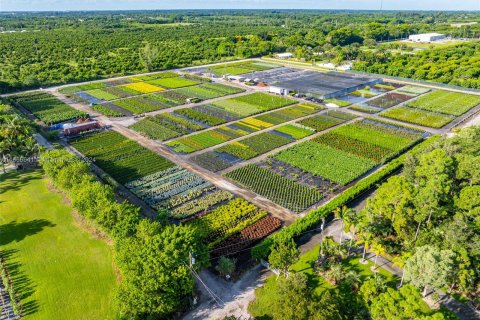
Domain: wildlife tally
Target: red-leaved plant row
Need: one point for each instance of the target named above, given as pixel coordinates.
(247, 236)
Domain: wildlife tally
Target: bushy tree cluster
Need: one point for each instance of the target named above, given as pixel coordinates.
(16, 138)
(432, 211)
(455, 65)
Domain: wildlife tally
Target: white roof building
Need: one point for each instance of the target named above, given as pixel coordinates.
(426, 37)
(285, 55)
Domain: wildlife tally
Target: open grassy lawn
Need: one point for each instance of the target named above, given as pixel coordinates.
(265, 295)
(60, 271)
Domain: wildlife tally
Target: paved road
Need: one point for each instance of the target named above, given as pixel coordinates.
(234, 297)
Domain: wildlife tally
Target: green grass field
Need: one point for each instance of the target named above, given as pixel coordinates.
(59, 270)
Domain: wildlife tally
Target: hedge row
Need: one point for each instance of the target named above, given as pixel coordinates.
(302, 225)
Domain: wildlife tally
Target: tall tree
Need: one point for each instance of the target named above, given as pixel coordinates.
(284, 254)
(294, 297)
(429, 267)
(157, 280)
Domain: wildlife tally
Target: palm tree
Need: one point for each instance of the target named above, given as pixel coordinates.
(366, 240)
(336, 273)
(341, 213)
(399, 261)
(354, 280)
(378, 249)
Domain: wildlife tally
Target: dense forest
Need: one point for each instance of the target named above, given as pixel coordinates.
(431, 211)
(457, 65)
(40, 49)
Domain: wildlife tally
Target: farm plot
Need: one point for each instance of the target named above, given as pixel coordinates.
(174, 96)
(283, 191)
(347, 152)
(376, 133)
(102, 95)
(238, 150)
(173, 83)
(335, 165)
(247, 237)
(418, 116)
(161, 75)
(209, 91)
(105, 110)
(141, 104)
(165, 126)
(154, 129)
(226, 220)
(321, 122)
(142, 87)
(205, 139)
(389, 100)
(241, 128)
(451, 103)
(253, 103)
(211, 161)
(365, 109)
(386, 87)
(83, 87)
(413, 90)
(123, 159)
(217, 112)
(366, 92)
(325, 186)
(182, 192)
(196, 115)
(256, 145)
(290, 113)
(265, 142)
(47, 108)
(242, 67)
(338, 102)
(295, 131)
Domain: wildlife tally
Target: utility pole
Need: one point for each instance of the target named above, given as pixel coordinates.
(321, 234)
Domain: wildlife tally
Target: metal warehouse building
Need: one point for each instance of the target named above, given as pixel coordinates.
(426, 37)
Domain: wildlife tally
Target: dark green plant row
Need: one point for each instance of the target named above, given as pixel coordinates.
(302, 225)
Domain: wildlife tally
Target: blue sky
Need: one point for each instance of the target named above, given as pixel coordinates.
(46, 5)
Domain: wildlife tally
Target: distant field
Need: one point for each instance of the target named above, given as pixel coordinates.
(452, 103)
(418, 116)
(61, 271)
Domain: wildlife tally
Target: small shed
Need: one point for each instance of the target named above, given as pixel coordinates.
(286, 55)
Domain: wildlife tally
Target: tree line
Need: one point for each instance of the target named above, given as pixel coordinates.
(59, 48)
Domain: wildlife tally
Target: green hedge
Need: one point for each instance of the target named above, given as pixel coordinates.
(262, 250)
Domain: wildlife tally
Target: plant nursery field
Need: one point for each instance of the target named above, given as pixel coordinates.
(123, 159)
(190, 199)
(242, 67)
(47, 108)
(250, 147)
(328, 161)
(451, 103)
(244, 127)
(418, 116)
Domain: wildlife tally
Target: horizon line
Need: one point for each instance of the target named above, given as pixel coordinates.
(239, 9)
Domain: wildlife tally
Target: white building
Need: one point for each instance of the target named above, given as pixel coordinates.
(278, 90)
(286, 55)
(426, 37)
